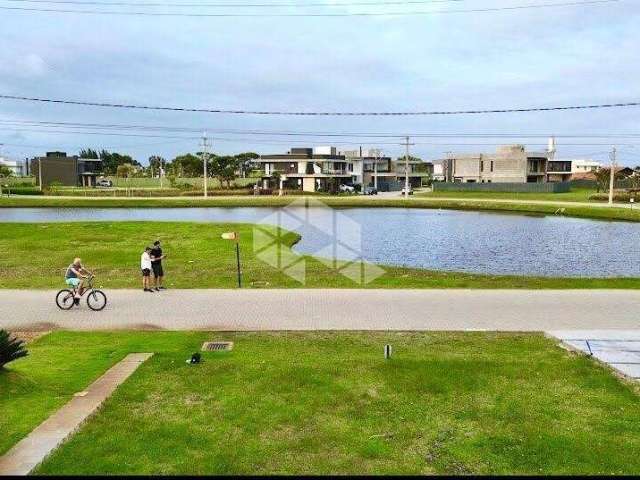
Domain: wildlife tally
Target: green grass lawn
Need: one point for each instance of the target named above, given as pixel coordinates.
(575, 195)
(36, 256)
(321, 403)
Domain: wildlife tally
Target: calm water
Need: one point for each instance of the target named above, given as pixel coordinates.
(434, 239)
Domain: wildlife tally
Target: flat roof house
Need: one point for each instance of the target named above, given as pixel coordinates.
(371, 168)
(319, 169)
(585, 165)
(17, 167)
(510, 164)
(70, 171)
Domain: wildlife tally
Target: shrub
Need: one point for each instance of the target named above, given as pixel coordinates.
(618, 196)
(10, 348)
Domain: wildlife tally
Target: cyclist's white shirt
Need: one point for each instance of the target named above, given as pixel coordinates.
(145, 261)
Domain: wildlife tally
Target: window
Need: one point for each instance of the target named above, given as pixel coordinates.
(482, 165)
(492, 165)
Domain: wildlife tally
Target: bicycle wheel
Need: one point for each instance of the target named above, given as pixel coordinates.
(64, 299)
(96, 300)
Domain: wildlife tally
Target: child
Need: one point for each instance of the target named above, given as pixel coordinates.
(145, 266)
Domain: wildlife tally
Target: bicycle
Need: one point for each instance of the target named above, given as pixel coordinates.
(96, 300)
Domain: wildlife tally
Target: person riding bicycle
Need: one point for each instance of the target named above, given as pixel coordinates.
(74, 277)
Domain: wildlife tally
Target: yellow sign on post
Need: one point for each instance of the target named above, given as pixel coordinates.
(235, 236)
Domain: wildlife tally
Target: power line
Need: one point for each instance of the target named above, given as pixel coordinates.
(239, 5)
(276, 141)
(343, 14)
(288, 133)
(301, 113)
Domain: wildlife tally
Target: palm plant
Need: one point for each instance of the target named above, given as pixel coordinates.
(10, 348)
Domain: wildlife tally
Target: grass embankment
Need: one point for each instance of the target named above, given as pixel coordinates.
(581, 211)
(321, 403)
(36, 256)
(575, 195)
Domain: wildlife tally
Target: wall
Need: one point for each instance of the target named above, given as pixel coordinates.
(559, 187)
(56, 169)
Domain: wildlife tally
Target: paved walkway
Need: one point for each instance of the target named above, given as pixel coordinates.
(336, 309)
(620, 349)
(25, 455)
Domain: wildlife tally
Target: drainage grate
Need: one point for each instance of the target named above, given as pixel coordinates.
(217, 346)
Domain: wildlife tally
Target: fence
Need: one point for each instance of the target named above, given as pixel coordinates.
(549, 187)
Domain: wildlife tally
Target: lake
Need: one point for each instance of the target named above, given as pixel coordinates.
(476, 242)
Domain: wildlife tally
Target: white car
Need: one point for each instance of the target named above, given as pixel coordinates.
(347, 188)
(410, 191)
(104, 183)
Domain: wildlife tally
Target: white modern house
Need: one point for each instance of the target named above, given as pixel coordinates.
(15, 166)
(324, 169)
(585, 166)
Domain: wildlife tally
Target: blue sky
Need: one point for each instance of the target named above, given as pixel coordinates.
(516, 58)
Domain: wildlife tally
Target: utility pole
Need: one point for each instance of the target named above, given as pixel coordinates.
(375, 170)
(612, 174)
(205, 158)
(161, 170)
(406, 167)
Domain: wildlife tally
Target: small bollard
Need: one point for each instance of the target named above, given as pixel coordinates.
(388, 350)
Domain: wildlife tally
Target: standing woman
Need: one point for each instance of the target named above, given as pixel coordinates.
(145, 266)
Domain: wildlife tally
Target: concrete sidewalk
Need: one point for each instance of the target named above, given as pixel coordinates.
(25, 455)
(331, 309)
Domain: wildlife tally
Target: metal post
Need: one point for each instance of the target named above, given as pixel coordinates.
(375, 171)
(612, 174)
(238, 262)
(205, 160)
(406, 168)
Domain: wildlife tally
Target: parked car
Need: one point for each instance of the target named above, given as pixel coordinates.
(104, 183)
(347, 188)
(410, 192)
(370, 191)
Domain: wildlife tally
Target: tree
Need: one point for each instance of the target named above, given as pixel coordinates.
(156, 163)
(246, 162)
(411, 158)
(224, 168)
(88, 153)
(5, 171)
(187, 165)
(602, 178)
(10, 348)
(125, 170)
(111, 161)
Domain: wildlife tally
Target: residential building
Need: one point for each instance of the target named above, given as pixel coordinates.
(417, 171)
(57, 167)
(559, 170)
(325, 169)
(585, 165)
(17, 167)
(510, 164)
(438, 171)
(308, 169)
(371, 168)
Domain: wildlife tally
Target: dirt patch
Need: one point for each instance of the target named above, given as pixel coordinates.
(44, 327)
(30, 337)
